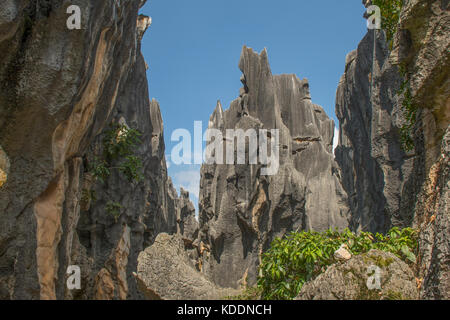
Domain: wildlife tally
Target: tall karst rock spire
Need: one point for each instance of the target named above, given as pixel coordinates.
(61, 91)
(241, 210)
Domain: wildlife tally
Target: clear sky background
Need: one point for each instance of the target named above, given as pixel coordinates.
(193, 49)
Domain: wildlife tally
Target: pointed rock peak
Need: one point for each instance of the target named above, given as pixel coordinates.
(169, 182)
(155, 116)
(216, 119)
(154, 106)
(264, 56)
(304, 90)
(184, 194)
(349, 58)
(251, 62)
(219, 107)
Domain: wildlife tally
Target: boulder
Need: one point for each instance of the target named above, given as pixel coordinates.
(166, 272)
(342, 254)
(356, 279)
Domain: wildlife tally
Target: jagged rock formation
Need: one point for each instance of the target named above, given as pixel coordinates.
(374, 166)
(242, 210)
(187, 224)
(433, 220)
(60, 90)
(386, 185)
(166, 272)
(422, 46)
(348, 281)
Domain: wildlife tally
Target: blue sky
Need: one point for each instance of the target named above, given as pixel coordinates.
(193, 48)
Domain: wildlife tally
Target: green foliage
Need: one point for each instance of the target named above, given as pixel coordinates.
(99, 169)
(118, 146)
(114, 209)
(410, 113)
(390, 14)
(300, 257)
(120, 141)
(88, 195)
(131, 167)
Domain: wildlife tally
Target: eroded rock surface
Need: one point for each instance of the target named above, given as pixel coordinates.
(374, 166)
(186, 221)
(386, 185)
(60, 91)
(348, 281)
(241, 209)
(433, 220)
(166, 272)
(422, 46)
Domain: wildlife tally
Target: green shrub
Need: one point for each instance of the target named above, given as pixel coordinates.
(120, 141)
(114, 209)
(300, 257)
(100, 169)
(390, 14)
(409, 111)
(88, 195)
(119, 144)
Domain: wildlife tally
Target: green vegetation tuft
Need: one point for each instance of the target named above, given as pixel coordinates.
(300, 257)
(390, 14)
(119, 145)
(410, 112)
(114, 209)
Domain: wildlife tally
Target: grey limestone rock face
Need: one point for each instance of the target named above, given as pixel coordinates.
(187, 223)
(349, 280)
(422, 46)
(375, 169)
(242, 210)
(433, 219)
(387, 186)
(60, 90)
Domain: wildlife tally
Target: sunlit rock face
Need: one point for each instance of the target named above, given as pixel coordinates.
(60, 90)
(422, 45)
(386, 185)
(241, 209)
